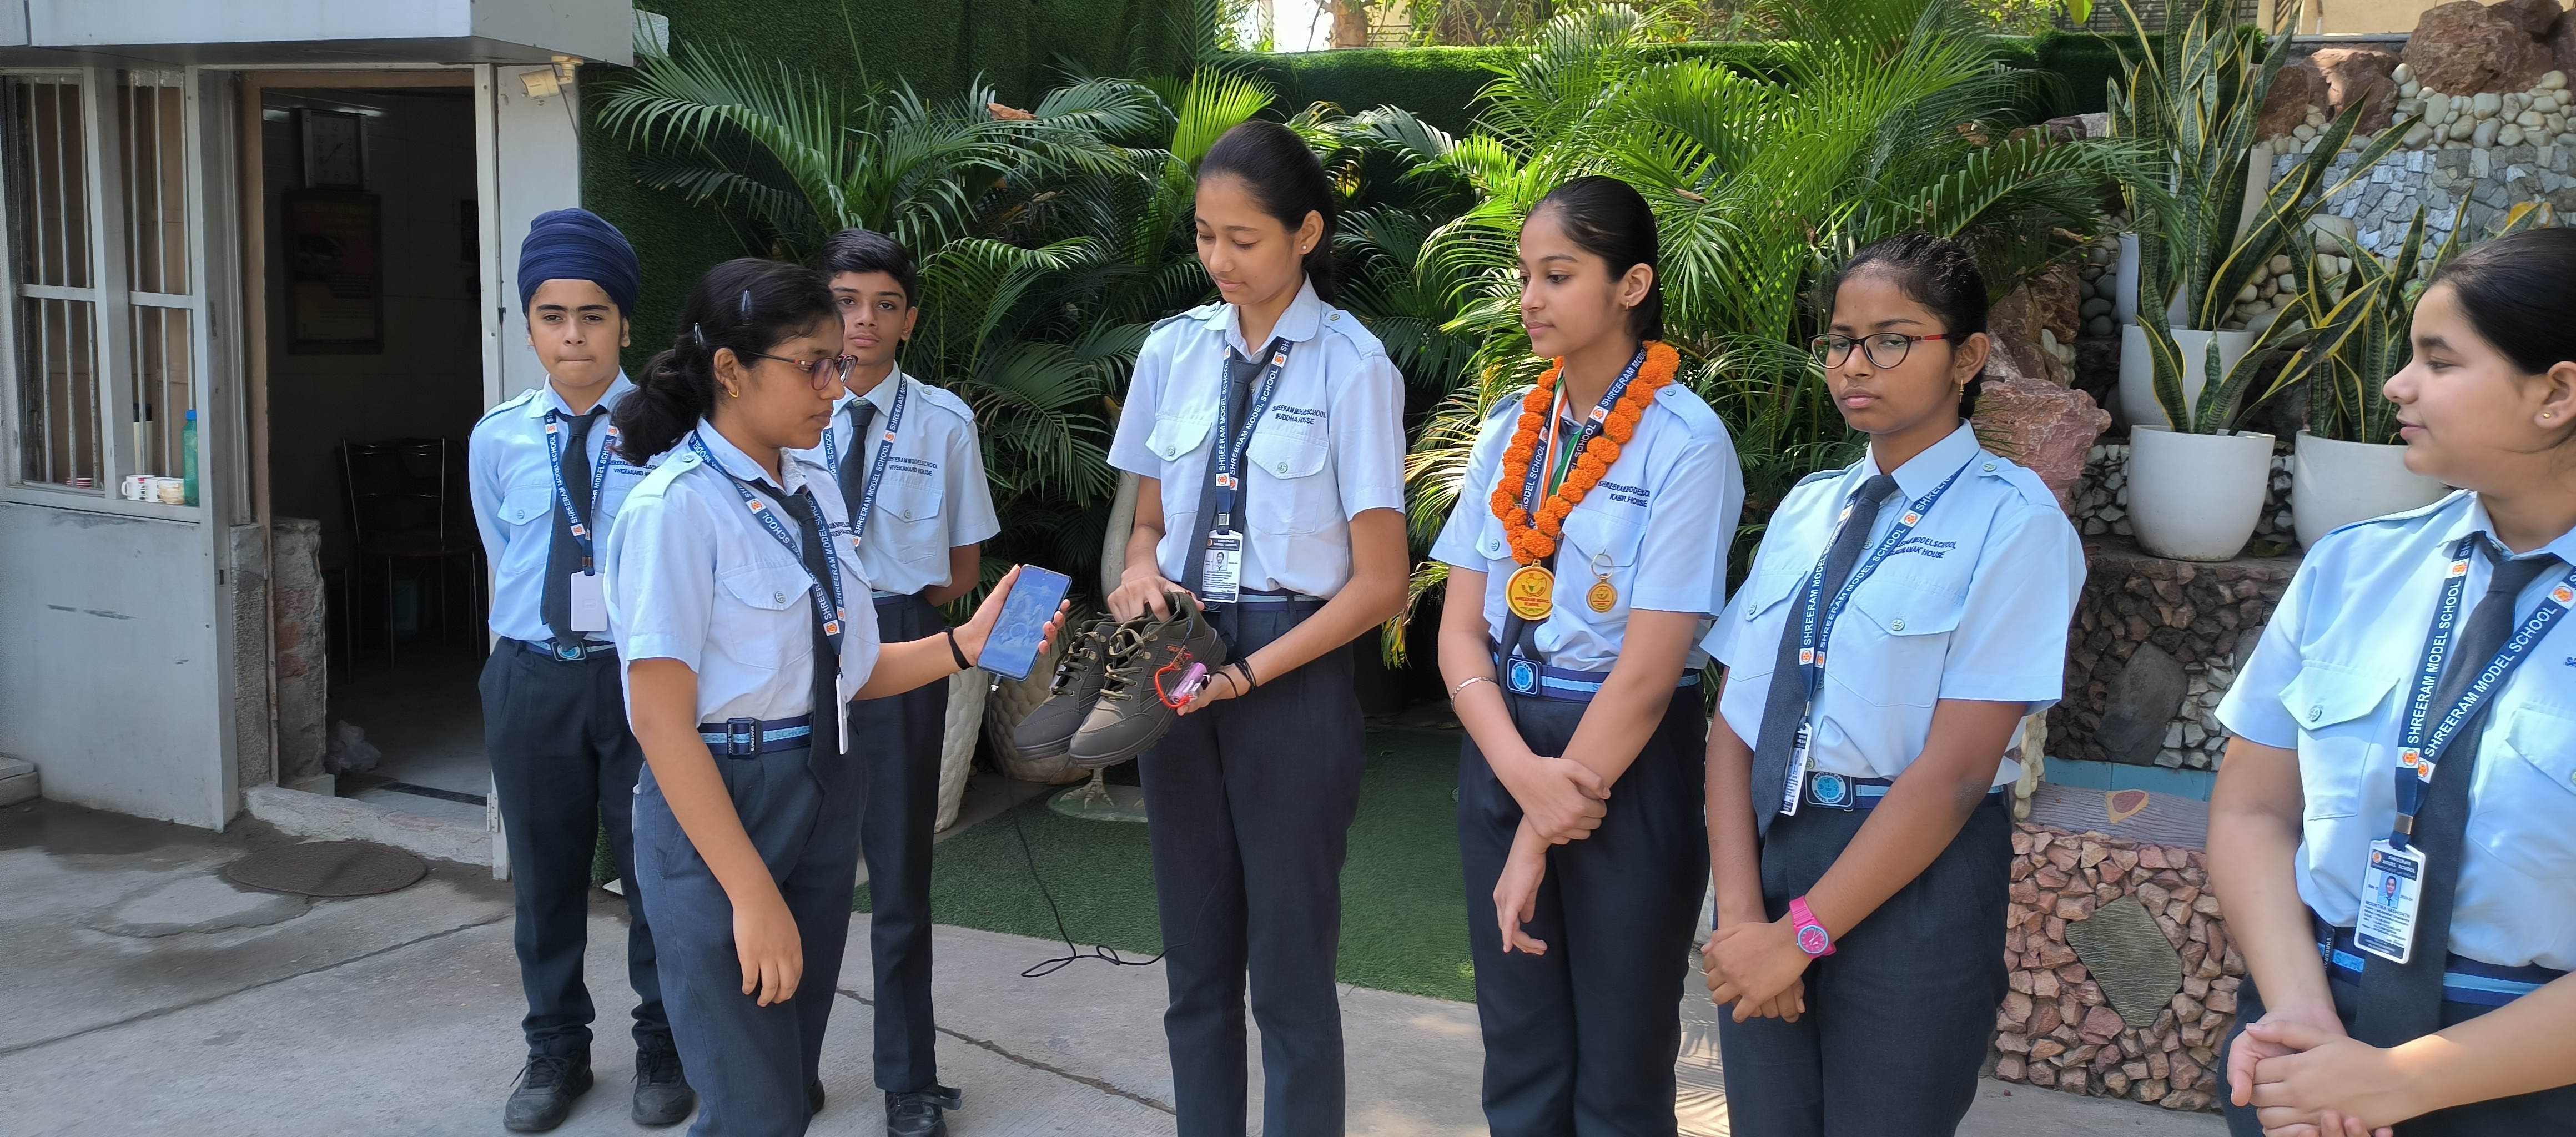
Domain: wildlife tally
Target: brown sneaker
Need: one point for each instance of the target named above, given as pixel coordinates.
(1147, 660)
(1049, 729)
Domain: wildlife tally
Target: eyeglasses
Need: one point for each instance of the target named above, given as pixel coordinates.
(1886, 349)
(821, 373)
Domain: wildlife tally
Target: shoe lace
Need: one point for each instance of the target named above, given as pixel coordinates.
(545, 1071)
(1127, 659)
(1078, 657)
(657, 1065)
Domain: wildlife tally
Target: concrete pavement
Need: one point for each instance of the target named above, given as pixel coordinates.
(146, 995)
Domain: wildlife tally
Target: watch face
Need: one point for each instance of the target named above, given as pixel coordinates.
(1813, 940)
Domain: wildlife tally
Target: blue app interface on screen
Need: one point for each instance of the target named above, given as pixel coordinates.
(1013, 646)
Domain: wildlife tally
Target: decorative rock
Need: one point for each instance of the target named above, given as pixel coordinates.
(2298, 87)
(2044, 426)
(2358, 75)
(2509, 135)
(2466, 46)
(2485, 104)
(2484, 134)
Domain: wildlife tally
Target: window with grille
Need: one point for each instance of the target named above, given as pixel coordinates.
(107, 304)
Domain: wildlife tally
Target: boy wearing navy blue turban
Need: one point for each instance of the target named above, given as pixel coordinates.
(547, 485)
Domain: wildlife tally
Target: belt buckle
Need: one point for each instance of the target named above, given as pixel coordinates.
(1832, 791)
(742, 738)
(1521, 676)
(569, 652)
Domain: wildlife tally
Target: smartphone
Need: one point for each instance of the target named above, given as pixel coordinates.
(1013, 647)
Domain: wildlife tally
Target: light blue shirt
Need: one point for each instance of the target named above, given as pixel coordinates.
(2330, 679)
(694, 576)
(1330, 446)
(934, 496)
(508, 472)
(1657, 528)
(1973, 605)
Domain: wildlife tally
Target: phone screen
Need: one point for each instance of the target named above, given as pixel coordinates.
(1013, 647)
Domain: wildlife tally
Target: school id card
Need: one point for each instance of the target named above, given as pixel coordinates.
(2392, 893)
(589, 602)
(1796, 790)
(1221, 568)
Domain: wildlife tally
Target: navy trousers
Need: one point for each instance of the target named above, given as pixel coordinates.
(1250, 805)
(1899, 1017)
(1581, 1040)
(2549, 1113)
(754, 1066)
(901, 736)
(565, 764)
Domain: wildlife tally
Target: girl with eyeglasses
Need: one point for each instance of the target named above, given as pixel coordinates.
(1901, 618)
(1586, 555)
(745, 629)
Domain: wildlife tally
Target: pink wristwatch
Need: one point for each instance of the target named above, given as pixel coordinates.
(1813, 939)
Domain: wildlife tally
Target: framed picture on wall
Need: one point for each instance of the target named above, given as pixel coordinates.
(335, 278)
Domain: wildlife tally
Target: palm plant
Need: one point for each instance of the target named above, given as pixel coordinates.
(2195, 99)
(1885, 115)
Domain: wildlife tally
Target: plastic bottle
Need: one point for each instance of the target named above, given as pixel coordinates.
(188, 456)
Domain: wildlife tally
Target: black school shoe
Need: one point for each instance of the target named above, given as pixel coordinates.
(662, 1093)
(1049, 729)
(920, 1113)
(547, 1086)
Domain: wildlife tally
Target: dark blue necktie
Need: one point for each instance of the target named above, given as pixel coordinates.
(563, 550)
(1786, 707)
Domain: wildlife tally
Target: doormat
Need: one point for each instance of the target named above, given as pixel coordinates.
(328, 868)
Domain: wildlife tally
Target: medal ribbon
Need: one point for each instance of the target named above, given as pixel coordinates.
(2421, 743)
(865, 507)
(830, 611)
(1814, 627)
(1231, 443)
(598, 479)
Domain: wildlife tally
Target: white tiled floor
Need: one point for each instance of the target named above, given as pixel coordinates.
(424, 713)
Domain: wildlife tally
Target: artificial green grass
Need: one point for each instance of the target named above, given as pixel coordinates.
(1404, 912)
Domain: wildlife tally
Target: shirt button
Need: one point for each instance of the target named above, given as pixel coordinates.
(1896, 625)
(2316, 711)
(1990, 467)
(1283, 467)
(778, 598)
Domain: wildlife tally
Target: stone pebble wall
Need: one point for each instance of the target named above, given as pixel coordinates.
(2194, 624)
(2057, 1029)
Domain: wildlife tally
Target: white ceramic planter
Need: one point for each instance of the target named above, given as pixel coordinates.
(2124, 293)
(2138, 370)
(2333, 484)
(2196, 497)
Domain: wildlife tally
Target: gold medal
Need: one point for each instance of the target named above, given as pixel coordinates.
(1530, 593)
(1603, 597)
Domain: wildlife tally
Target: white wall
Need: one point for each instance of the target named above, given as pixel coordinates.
(538, 141)
(592, 29)
(108, 665)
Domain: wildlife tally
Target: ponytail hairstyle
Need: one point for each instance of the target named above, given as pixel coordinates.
(749, 305)
(1284, 177)
(1607, 218)
(1937, 273)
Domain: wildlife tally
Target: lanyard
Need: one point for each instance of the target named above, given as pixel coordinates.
(860, 509)
(1232, 443)
(1814, 628)
(2423, 740)
(831, 611)
(1534, 478)
(598, 478)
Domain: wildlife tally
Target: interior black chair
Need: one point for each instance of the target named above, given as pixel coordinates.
(408, 501)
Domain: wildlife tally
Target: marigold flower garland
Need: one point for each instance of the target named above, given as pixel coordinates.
(1532, 540)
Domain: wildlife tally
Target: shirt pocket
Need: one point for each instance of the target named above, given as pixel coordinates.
(2525, 811)
(908, 509)
(754, 621)
(1891, 641)
(1173, 436)
(1292, 500)
(1762, 605)
(2339, 736)
(528, 503)
(622, 480)
(1598, 544)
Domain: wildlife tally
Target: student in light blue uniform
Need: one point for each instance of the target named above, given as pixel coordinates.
(1856, 771)
(739, 607)
(2474, 1033)
(547, 486)
(1251, 793)
(911, 471)
(1579, 909)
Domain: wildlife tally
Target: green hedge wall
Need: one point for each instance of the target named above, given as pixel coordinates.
(1020, 47)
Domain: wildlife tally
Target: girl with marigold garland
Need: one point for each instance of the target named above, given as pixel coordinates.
(1587, 554)
(1855, 796)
